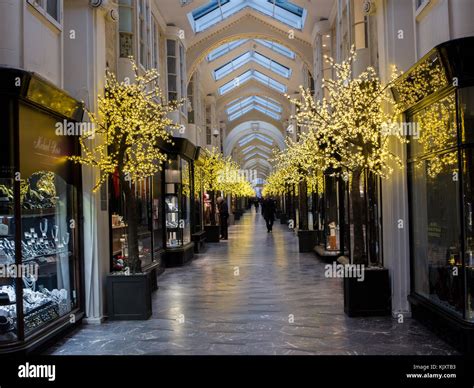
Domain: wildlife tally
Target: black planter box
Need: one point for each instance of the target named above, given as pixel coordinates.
(177, 257)
(283, 219)
(212, 233)
(307, 240)
(199, 240)
(371, 297)
(129, 297)
(237, 216)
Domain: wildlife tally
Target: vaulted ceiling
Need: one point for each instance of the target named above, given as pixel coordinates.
(250, 54)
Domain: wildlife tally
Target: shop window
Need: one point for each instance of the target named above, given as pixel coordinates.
(155, 44)
(51, 8)
(126, 28)
(171, 67)
(182, 76)
(191, 112)
(435, 230)
(178, 202)
(435, 222)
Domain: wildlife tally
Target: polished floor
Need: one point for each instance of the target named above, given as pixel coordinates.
(253, 294)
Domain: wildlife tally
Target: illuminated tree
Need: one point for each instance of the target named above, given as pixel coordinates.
(218, 173)
(347, 132)
(132, 118)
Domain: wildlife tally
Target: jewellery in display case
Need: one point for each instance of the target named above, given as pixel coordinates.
(29, 282)
(54, 233)
(44, 227)
(7, 253)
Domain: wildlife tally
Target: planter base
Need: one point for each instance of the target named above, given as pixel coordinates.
(177, 257)
(212, 233)
(307, 240)
(283, 219)
(371, 297)
(199, 240)
(325, 254)
(129, 297)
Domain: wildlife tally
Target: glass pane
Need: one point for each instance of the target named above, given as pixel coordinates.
(125, 19)
(8, 314)
(143, 196)
(466, 104)
(171, 65)
(49, 217)
(52, 8)
(435, 230)
(171, 48)
(172, 83)
(186, 201)
(157, 217)
(433, 128)
(468, 179)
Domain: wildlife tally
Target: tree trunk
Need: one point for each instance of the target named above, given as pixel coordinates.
(303, 205)
(212, 197)
(358, 212)
(132, 238)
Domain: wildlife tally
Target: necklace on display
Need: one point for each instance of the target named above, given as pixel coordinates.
(44, 227)
(29, 282)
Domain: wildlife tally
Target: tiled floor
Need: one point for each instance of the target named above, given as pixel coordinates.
(254, 294)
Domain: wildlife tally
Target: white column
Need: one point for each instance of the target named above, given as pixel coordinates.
(84, 71)
(394, 16)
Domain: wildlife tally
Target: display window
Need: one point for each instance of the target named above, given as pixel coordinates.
(39, 228)
(177, 202)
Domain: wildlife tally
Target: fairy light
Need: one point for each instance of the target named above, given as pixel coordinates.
(132, 118)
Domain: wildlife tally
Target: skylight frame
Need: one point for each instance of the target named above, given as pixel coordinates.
(215, 11)
(249, 108)
(276, 47)
(224, 49)
(252, 136)
(266, 102)
(256, 75)
(252, 56)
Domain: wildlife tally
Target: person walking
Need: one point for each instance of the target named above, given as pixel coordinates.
(256, 205)
(268, 211)
(223, 217)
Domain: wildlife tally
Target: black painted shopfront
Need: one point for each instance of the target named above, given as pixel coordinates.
(438, 96)
(41, 291)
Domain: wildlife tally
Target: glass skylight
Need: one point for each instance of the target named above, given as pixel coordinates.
(250, 56)
(262, 148)
(224, 49)
(255, 136)
(253, 154)
(241, 103)
(249, 108)
(278, 48)
(252, 74)
(216, 11)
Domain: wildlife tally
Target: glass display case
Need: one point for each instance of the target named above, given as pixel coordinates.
(148, 194)
(440, 173)
(178, 196)
(177, 203)
(40, 223)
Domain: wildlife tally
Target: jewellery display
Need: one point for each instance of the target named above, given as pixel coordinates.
(40, 307)
(44, 227)
(33, 246)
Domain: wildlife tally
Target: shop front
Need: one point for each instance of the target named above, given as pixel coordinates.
(179, 202)
(41, 291)
(438, 96)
